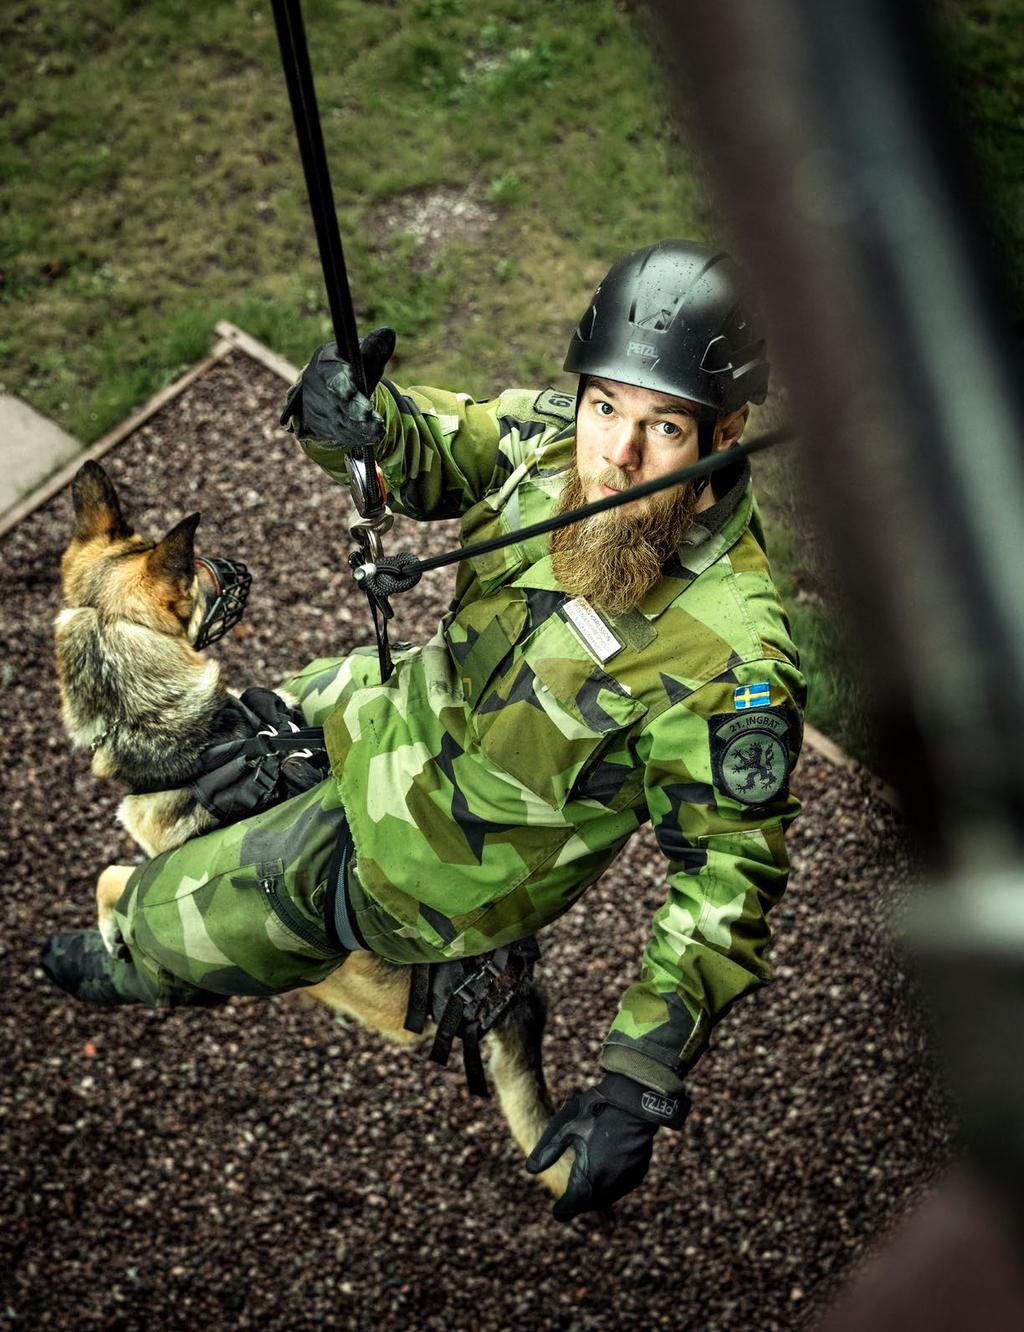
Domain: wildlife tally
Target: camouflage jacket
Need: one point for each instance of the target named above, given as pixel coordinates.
(503, 766)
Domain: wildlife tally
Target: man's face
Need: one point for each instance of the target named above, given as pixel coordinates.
(627, 435)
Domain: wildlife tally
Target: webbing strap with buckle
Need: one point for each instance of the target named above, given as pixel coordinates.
(468, 998)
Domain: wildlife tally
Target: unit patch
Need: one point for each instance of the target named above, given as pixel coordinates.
(750, 754)
(554, 405)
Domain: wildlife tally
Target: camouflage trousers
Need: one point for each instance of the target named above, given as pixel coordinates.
(242, 910)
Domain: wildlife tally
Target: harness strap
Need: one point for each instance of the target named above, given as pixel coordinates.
(338, 913)
(259, 755)
(419, 998)
(467, 998)
(473, 1063)
(447, 1029)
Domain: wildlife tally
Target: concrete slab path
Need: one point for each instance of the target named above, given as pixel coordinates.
(31, 448)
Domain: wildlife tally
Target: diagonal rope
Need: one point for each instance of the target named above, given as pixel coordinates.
(402, 571)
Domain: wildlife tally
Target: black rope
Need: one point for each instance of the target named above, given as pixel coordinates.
(704, 467)
(298, 75)
(291, 37)
(402, 571)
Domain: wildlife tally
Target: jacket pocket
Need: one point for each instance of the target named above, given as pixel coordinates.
(245, 931)
(552, 714)
(286, 905)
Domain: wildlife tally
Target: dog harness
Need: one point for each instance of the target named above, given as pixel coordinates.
(273, 759)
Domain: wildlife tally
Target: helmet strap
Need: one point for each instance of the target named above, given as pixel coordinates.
(581, 388)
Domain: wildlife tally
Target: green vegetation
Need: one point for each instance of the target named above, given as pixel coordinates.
(488, 158)
(153, 185)
(981, 49)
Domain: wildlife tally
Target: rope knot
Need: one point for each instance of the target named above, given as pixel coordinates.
(395, 573)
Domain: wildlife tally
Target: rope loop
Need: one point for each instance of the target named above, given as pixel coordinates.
(394, 573)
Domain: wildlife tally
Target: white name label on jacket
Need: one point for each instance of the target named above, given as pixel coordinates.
(591, 629)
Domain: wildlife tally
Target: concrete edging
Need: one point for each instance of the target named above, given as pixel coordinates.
(59, 479)
(231, 338)
(257, 350)
(828, 749)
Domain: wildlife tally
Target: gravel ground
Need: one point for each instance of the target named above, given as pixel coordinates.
(266, 1165)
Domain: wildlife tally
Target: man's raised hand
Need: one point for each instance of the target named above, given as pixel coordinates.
(324, 402)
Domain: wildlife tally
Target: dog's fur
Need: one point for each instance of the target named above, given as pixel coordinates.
(136, 691)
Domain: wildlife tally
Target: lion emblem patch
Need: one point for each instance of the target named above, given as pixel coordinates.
(750, 754)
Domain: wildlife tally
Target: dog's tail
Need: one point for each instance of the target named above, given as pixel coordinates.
(517, 1070)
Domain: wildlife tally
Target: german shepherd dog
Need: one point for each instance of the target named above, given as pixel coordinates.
(135, 690)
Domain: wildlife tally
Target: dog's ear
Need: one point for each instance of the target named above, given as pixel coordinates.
(97, 508)
(174, 558)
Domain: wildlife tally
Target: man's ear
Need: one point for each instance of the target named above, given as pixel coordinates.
(173, 560)
(729, 428)
(97, 508)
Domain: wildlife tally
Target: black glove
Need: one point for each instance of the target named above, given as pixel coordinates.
(324, 402)
(611, 1130)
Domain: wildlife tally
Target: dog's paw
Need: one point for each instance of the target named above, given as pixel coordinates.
(556, 1177)
(113, 940)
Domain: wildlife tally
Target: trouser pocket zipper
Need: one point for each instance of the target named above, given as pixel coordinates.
(288, 913)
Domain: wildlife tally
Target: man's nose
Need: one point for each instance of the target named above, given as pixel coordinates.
(623, 449)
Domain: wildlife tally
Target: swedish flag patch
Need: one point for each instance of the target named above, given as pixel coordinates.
(752, 696)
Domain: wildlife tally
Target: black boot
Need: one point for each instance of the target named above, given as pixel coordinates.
(78, 962)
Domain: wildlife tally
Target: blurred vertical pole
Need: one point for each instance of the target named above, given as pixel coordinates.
(819, 127)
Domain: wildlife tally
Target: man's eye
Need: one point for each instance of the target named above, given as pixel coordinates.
(601, 408)
(668, 428)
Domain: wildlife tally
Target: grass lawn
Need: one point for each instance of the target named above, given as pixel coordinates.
(489, 157)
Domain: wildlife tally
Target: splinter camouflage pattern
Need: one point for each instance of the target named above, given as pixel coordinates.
(239, 911)
(503, 766)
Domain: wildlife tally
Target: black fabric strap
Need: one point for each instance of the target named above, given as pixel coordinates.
(645, 1102)
(447, 1029)
(339, 916)
(472, 1062)
(419, 997)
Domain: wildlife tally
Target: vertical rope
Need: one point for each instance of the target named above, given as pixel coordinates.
(298, 75)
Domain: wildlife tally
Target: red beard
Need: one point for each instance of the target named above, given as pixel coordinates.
(614, 559)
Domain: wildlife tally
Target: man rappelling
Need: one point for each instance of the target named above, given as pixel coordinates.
(619, 670)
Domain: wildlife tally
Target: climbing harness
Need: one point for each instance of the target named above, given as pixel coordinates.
(467, 998)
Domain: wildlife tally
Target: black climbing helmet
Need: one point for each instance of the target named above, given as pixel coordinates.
(674, 317)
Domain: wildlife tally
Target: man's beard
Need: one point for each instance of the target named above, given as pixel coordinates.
(613, 559)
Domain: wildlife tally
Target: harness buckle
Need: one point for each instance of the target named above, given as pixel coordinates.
(473, 1006)
(474, 990)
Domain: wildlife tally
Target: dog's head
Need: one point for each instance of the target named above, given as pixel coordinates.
(123, 576)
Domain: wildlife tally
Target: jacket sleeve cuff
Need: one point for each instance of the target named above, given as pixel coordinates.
(617, 1057)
